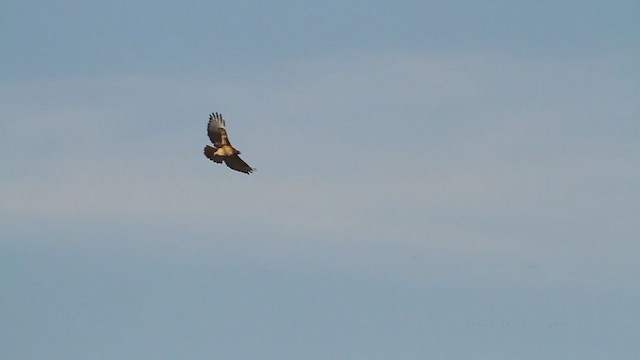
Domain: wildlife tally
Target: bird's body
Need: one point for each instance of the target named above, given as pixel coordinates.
(222, 150)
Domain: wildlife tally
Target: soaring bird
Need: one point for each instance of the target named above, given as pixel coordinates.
(222, 150)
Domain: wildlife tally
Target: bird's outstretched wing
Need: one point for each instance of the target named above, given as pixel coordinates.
(217, 131)
(235, 163)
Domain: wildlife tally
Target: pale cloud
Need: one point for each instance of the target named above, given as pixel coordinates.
(464, 156)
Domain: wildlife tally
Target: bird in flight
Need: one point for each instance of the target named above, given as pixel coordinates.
(222, 151)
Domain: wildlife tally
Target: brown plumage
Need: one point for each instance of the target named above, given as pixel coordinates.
(222, 150)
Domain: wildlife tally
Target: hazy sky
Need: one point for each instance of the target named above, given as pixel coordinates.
(436, 180)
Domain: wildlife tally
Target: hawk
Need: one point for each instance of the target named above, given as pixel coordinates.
(222, 150)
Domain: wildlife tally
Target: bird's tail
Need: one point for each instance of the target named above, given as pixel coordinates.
(209, 152)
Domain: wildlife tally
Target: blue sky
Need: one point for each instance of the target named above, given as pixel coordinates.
(436, 179)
